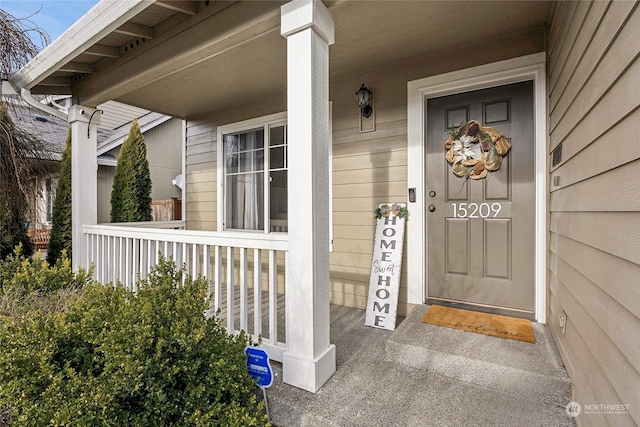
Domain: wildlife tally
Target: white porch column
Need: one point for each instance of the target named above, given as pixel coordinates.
(84, 178)
(310, 359)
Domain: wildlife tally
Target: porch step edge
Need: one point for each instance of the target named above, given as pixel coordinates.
(487, 374)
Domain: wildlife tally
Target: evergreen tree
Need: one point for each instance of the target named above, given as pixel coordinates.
(61, 215)
(131, 193)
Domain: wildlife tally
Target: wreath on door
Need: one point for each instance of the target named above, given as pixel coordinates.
(473, 150)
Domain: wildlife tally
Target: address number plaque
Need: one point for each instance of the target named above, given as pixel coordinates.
(476, 210)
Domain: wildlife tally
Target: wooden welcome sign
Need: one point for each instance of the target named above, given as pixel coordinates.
(386, 263)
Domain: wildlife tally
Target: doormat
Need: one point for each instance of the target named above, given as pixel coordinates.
(481, 323)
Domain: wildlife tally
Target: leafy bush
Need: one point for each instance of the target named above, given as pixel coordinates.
(116, 358)
(33, 285)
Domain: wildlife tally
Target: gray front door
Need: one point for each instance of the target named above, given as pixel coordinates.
(481, 232)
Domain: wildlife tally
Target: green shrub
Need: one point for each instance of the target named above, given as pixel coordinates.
(131, 192)
(116, 358)
(33, 285)
(61, 231)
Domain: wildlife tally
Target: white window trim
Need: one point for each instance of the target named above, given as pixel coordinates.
(252, 124)
(245, 125)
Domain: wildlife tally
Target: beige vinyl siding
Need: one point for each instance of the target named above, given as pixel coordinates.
(371, 168)
(164, 153)
(368, 168)
(594, 251)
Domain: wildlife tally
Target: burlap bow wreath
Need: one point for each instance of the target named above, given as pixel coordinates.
(474, 150)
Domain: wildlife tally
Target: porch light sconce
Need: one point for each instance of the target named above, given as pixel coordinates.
(363, 96)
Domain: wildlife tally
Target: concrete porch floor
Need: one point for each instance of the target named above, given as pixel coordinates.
(425, 375)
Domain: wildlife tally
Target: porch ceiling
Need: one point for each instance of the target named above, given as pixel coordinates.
(183, 58)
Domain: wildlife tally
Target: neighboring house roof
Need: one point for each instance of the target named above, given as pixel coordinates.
(111, 133)
(52, 130)
(147, 121)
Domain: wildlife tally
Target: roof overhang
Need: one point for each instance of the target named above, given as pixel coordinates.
(185, 58)
(85, 35)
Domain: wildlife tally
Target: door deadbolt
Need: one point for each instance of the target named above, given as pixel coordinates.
(432, 208)
(432, 194)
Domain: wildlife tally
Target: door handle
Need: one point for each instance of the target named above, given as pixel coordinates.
(432, 208)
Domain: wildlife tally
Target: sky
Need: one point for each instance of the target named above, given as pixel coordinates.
(54, 17)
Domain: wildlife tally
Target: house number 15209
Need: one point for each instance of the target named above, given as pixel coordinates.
(476, 210)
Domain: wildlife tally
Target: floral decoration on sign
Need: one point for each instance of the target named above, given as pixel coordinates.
(474, 150)
(396, 209)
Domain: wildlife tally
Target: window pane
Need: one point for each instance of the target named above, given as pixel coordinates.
(278, 202)
(231, 153)
(245, 162)
(276, 158)
(251, 140)
(245, 201)
(276, 135)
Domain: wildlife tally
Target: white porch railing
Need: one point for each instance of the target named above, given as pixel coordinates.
(234, 263)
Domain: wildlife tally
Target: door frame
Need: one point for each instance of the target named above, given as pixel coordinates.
(524, 68)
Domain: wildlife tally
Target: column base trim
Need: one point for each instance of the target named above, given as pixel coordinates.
(309, 374)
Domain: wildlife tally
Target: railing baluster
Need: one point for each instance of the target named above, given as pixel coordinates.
(195, 258)
(257, 293)
(218, 279)
(206, 272)
(150, 255)
(103, 260)
(144, 262)
(273, 298)
(120, 274)
(117, 259)
(107, 250)
(88, 259)
(185, 261)
(174, 253)
(230, 294)
(243, 289)
(136, 264)
(127, 261)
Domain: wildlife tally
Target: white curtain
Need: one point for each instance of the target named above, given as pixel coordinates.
(249, 196)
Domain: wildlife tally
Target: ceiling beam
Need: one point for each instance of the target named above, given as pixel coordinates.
(135, 30)
(56, 81)
(51, 90)
(101, 50)
(76, 67)
(186, 7)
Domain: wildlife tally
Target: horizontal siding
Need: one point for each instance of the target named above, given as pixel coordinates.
(594, 252)
(368, 168)
(371, 168)
(598, 157)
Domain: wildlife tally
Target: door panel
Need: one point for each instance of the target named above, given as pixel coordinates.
(481, 232)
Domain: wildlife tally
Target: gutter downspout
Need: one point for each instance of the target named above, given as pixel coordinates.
(28, 97)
